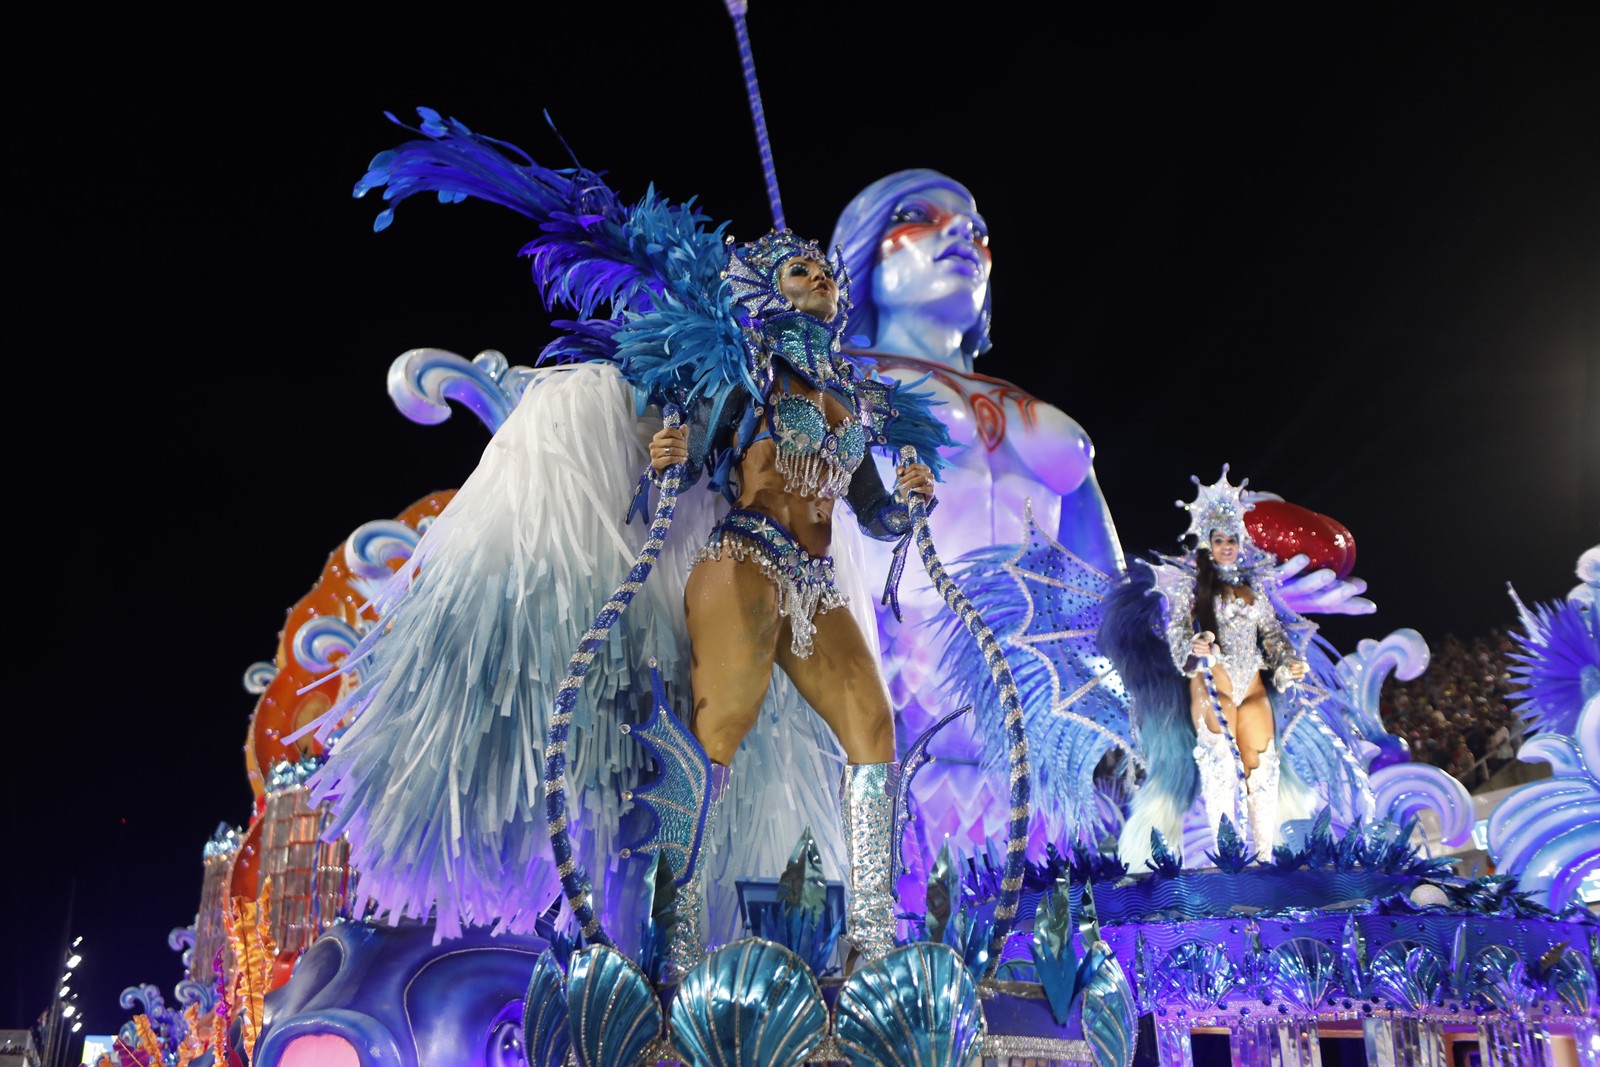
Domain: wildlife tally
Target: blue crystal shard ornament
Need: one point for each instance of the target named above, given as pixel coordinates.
(800, 922)
(1055, 960)
(545, 1040)
(917, 1005)
(1353, 959)
(1144, 973)
(1162, 860)
(1460, 964)
(612, 1013)
(660, 918)
(944, 894)
(1231, 855)
(749, 1004)
(951, 918)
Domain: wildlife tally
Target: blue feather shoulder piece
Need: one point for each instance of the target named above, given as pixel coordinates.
(901, 414)
(592, 250)
(655, 267)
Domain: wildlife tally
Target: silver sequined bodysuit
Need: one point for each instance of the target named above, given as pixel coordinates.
(1250, 637)
(1238, 651)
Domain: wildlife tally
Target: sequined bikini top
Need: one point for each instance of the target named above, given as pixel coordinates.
(817, 459)
(1241, 622)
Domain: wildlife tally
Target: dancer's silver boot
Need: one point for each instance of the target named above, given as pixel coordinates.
(867, 798)
(1264, 822)
(689, 936)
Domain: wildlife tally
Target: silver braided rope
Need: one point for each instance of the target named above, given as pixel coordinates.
(574, 882)
(1005, 912)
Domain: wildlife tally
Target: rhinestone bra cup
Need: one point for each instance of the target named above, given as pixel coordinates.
(816, 460)
(1241, 622)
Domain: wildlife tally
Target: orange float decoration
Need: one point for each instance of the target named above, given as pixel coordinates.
(283, 843)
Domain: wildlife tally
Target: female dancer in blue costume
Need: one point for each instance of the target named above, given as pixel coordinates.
(436, 777)
(762, 591)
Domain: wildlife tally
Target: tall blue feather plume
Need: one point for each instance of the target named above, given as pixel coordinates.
(1129, 637)
(592, 251)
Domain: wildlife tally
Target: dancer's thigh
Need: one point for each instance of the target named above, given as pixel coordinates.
(731, 610)
(1255, 728)
(841, 680)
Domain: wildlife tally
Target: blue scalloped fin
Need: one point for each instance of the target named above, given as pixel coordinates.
(915, 758)
(674, 799)
(545, 1039)
(1110, 1011)
(919, 1004)
(1046, 605)
(612, 1012)
(751, 1002)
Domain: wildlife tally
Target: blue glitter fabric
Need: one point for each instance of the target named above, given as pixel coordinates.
(805, 582)
(815, 459)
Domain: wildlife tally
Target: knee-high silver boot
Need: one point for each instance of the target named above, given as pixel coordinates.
(1264, 822)
(867, 798)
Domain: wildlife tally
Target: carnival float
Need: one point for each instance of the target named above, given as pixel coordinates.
(1093, 800)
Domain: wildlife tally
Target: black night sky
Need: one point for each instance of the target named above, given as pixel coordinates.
(1355, 254)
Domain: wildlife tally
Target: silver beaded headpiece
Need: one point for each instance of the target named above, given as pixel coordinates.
(1219, 506)
(753, 266)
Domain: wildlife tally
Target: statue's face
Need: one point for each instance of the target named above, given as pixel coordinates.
(934, 258)
(1224, 547)
(809, 285)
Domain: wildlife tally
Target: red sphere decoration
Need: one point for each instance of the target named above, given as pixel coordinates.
(1286, 529)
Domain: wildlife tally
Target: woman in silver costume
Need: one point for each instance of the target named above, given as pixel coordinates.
(1224, 635)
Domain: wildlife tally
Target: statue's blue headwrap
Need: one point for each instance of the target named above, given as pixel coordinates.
(859, 231)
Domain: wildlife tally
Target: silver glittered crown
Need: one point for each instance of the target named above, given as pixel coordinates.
(752, 272)
(1220, 506)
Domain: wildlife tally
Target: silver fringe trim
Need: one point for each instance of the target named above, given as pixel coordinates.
(798, 601)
